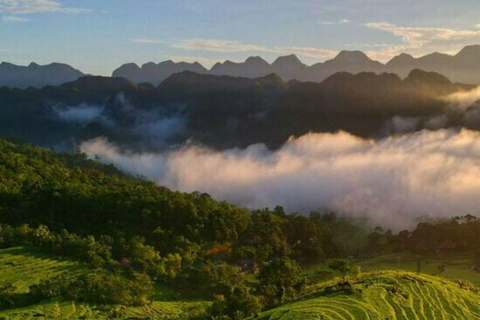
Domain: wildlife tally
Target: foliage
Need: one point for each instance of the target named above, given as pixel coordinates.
(218, 278)
(458, 234)
(99, 287)
(341, 266)
(394, 295)
(236, 305)
(280, 281)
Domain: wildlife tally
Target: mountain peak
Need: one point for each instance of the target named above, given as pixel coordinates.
(401, 59)
(351, 56)
(469, 52)
(418, 76)
(256, 60)
(290, 60)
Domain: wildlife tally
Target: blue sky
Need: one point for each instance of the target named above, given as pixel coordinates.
(96, 36)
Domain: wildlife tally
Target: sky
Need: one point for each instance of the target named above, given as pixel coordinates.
(97, 36)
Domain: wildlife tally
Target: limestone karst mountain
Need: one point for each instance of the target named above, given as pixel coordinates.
(35, 75)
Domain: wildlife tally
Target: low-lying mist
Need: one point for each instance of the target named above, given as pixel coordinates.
(392, 181)
(82, 113)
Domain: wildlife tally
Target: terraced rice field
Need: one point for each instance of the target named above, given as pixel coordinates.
(24, 267)
(56, 310)
(457, 266)
(386, 295)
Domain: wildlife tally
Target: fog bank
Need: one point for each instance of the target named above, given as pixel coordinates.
(392, 181)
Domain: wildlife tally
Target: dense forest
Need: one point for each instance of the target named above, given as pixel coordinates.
(135, 234)
(225, 112)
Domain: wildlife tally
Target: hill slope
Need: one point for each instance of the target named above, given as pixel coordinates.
(35, 75)
(387, 295)
(24, 267)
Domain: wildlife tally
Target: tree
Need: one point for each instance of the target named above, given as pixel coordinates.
(341, 266)
(237, 305)
(280, 280)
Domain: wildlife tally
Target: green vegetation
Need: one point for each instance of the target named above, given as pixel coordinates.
(81, 240)
(385, 295)
(22, 268)
(56, 309)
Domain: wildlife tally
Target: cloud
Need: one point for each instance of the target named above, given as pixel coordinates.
(464, 99)
(82, 113)
(329, 23)
(229, 46)
(393, 181)
(217, 45)
(307, 52)
(14, 19)
(422, 40)
(36, 6)
(421, 36)
(143, 40)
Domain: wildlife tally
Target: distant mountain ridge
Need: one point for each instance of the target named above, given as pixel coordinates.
(225, 112)
(37, 76)
(155, 73)
(463, 67)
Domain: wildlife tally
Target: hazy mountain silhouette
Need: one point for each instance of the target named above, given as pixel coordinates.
(155, 73)
(226, 112)
(35, 75)
(463, 67)
(346, 61)
(253, 67)
(289, 67)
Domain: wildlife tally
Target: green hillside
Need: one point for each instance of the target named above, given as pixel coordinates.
(386, 295)
(60, 310)
(23, 267)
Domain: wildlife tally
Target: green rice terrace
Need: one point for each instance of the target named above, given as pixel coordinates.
(385, 295)
(24, 267)
(376, 295)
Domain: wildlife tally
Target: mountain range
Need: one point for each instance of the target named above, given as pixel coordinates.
(224, 112)
(464, 67)
(35, 75)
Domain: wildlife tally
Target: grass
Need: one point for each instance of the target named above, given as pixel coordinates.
(58, 309)
(380, 294)
(393, 295)
(457, 266)
(24, 267)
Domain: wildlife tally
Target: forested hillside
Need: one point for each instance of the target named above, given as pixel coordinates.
(134, 235)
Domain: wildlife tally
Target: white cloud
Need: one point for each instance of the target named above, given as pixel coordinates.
(307, 52)
(329, 23)
(14, 19)
(217, 45)
(422, 40)
(421, 36)
(36, 6)
(144, 40)
(229, 46)
(393, 181)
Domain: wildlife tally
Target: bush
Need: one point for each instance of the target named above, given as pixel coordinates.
(280, 281)
(237, 305)
(99, 287)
